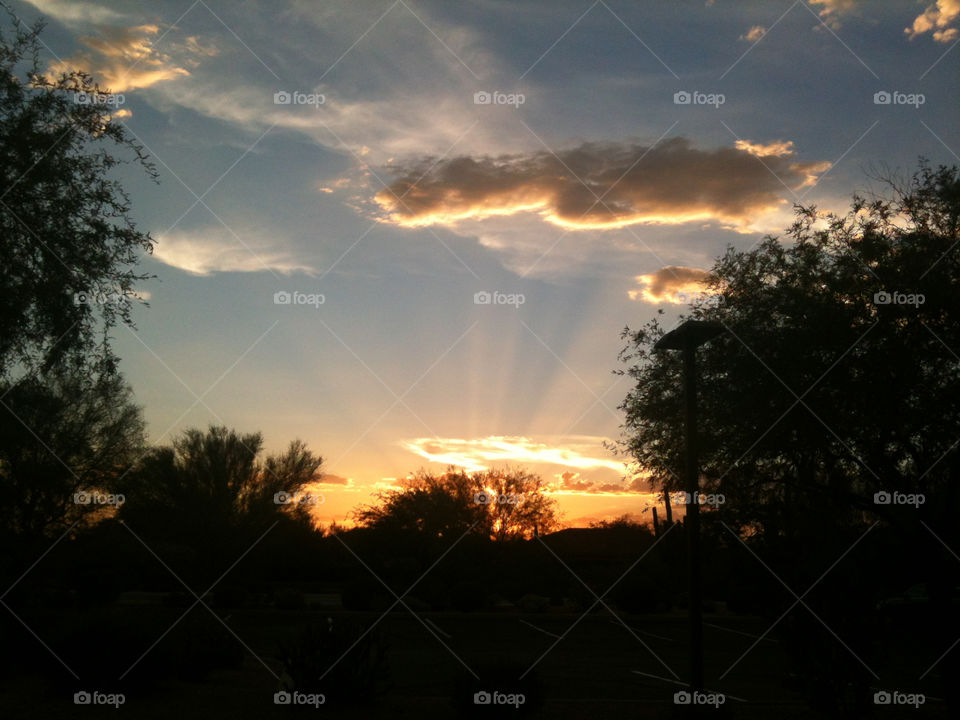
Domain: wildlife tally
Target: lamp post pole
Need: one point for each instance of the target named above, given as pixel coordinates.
(687, 338)
(692, 483)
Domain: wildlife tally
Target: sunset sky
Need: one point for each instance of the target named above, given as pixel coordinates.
(577, 164)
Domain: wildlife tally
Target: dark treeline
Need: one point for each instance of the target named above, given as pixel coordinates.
(829, 422)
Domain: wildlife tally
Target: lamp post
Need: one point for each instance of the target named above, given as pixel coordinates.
(688, 337)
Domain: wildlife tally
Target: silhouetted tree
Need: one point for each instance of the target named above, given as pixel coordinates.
(211, 487)
(834, 380)
(435, 505)
(67, 243)
(518, 505)
(499, 504)
(64, 432)
(837, 378)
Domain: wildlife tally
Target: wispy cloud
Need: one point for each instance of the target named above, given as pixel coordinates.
(126, 58)
(582, 453)
(73, 12)
(203, 252)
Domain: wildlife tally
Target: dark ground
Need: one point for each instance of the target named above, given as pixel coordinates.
(600, 669)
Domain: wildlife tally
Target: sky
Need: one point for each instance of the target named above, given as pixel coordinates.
(410, 233)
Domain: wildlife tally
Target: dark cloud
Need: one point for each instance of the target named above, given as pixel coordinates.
(671, 182)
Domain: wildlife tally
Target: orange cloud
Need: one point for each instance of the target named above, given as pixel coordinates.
(670, 183)
(126, 58)
(754, 33)
(937, 19)
(671, 284)
(479, 453)
(833, 9)
(572, 482)
(777, 147)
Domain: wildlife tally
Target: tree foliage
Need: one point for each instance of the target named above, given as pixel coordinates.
(63, 432)
(68, 246)
(833, 381)
(214, 484)
(499, 504)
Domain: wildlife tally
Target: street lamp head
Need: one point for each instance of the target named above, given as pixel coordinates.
(692, 333)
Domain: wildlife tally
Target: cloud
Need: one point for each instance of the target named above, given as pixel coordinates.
(398, 92)
(572, 482)
(833, 10)
(125, 58)
(776, 148)
(754, 33)
(72, 12)
(215, 250)
(479, 453)
(937, 18)
(671, 284)
(371, 131)
(331, 479)
(670, 183)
